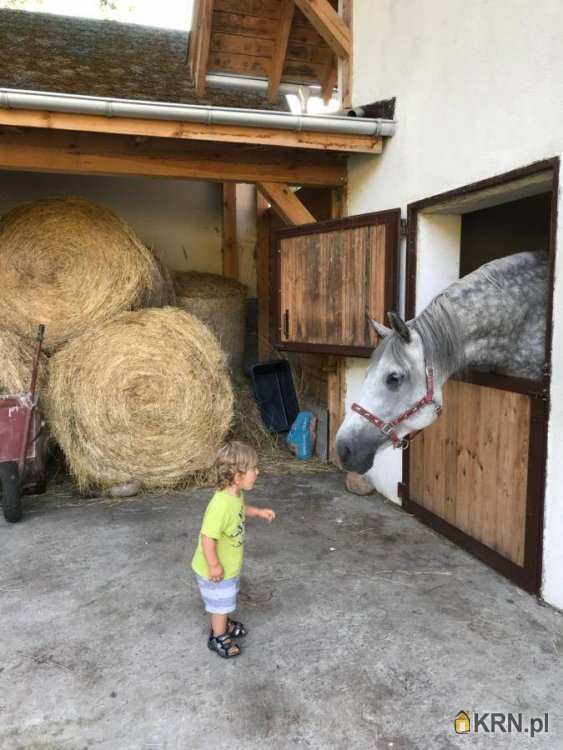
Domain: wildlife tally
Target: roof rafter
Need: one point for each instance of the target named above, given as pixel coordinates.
(278, 59)
(329, 24)
(199, 51)
(285, 203)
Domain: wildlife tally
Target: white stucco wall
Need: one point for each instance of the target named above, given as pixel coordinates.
(479, 90)
(180, 220)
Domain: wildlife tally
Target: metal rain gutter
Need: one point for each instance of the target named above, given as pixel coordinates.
(205, 115)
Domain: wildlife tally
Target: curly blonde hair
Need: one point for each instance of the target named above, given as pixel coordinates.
(232, 458)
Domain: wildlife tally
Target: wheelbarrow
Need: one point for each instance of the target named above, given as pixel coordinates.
(23, 444)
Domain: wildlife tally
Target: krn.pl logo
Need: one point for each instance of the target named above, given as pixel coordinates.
(462, 723)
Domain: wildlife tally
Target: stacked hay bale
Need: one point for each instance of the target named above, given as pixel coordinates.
(220, 303)
(144, 397)
(136, 393)
(71, 264)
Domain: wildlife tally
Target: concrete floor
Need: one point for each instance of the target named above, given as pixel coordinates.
(367, 630)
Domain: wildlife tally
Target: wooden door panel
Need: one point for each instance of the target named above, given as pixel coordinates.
(470, 468)
(327, 275)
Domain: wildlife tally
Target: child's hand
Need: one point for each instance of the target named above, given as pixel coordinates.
(267, 514)
(216, 573)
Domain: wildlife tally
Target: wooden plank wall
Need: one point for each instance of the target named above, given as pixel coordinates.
(471, 466)
(319, 270)
(243, 41)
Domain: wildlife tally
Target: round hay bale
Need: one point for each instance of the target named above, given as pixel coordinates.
(218, 302)
(165, 293)
(16, 360)
(70, 264)
(143, 398)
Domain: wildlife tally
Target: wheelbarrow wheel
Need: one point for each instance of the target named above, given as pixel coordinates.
(10, 490)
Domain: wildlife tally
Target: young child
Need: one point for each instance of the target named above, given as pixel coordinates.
(217, 561)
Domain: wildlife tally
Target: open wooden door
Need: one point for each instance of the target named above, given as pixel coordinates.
(327, 275)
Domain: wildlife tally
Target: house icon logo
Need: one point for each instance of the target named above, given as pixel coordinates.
(462, 723)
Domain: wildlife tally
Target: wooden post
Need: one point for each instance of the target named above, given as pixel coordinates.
(229, 247)
(337, 371)
(336, 400)
(263, 234)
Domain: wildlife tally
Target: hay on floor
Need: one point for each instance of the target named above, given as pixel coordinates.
(273, 454)
(218, 302)
(144, 397)
(70, 264)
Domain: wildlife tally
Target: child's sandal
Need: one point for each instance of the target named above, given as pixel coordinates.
(224, 645)
(236, 629)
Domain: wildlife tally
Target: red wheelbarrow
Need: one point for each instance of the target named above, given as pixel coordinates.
(23, 445)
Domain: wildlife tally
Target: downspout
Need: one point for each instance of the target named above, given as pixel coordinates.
(205, 115)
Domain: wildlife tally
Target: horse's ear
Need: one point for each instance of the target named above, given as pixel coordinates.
(399, 326)
(381, 330)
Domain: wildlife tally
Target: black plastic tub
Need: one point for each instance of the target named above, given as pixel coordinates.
(275, 394)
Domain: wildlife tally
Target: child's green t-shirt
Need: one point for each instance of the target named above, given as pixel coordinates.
(224, 521)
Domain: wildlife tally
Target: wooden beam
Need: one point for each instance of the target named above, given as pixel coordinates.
(88, 153)
(204, 23)
(278, 59)
(263, 234)
(285, 203)
(192, 38)
(330, 26)
(329, 80)
(336, 404)
(229, 244)
(349, 144)
(345, 66)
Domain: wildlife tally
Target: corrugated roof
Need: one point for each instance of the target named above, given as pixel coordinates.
(44, 52)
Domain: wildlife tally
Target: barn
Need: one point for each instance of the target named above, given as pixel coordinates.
(334, 158)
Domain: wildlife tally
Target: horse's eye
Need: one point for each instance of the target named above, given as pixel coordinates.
(394, 380)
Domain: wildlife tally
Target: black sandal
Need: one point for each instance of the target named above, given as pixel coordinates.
(223, 644)
(236, 629)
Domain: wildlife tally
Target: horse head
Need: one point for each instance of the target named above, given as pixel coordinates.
(396, 380)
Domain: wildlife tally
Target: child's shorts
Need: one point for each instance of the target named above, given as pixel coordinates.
(219, 598)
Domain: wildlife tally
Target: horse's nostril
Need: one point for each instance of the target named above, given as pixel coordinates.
(344, 452)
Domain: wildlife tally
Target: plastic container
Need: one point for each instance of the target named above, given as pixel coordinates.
(275, 394)
(301, 437)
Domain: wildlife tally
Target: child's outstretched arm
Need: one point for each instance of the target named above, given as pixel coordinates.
(251, 511)
(209, 547)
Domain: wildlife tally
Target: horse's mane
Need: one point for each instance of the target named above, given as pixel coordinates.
(442, 335)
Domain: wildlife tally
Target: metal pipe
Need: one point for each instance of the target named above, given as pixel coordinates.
(206, 115)
(242, 83)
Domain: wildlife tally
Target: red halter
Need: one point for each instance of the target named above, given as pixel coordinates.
(388, 427)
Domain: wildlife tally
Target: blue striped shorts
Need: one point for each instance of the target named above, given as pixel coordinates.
(219, 598)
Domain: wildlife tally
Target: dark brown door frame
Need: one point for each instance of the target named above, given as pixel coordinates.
(529, 575)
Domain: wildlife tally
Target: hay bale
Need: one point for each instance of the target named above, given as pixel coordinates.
(70, 264)
(16, 360)
(218, 302)
(164, 293)
(248, 425)
(142, 398)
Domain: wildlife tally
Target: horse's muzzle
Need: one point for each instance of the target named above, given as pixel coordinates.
(355, 455)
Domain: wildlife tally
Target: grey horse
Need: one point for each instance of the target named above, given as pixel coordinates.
(493, 319)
